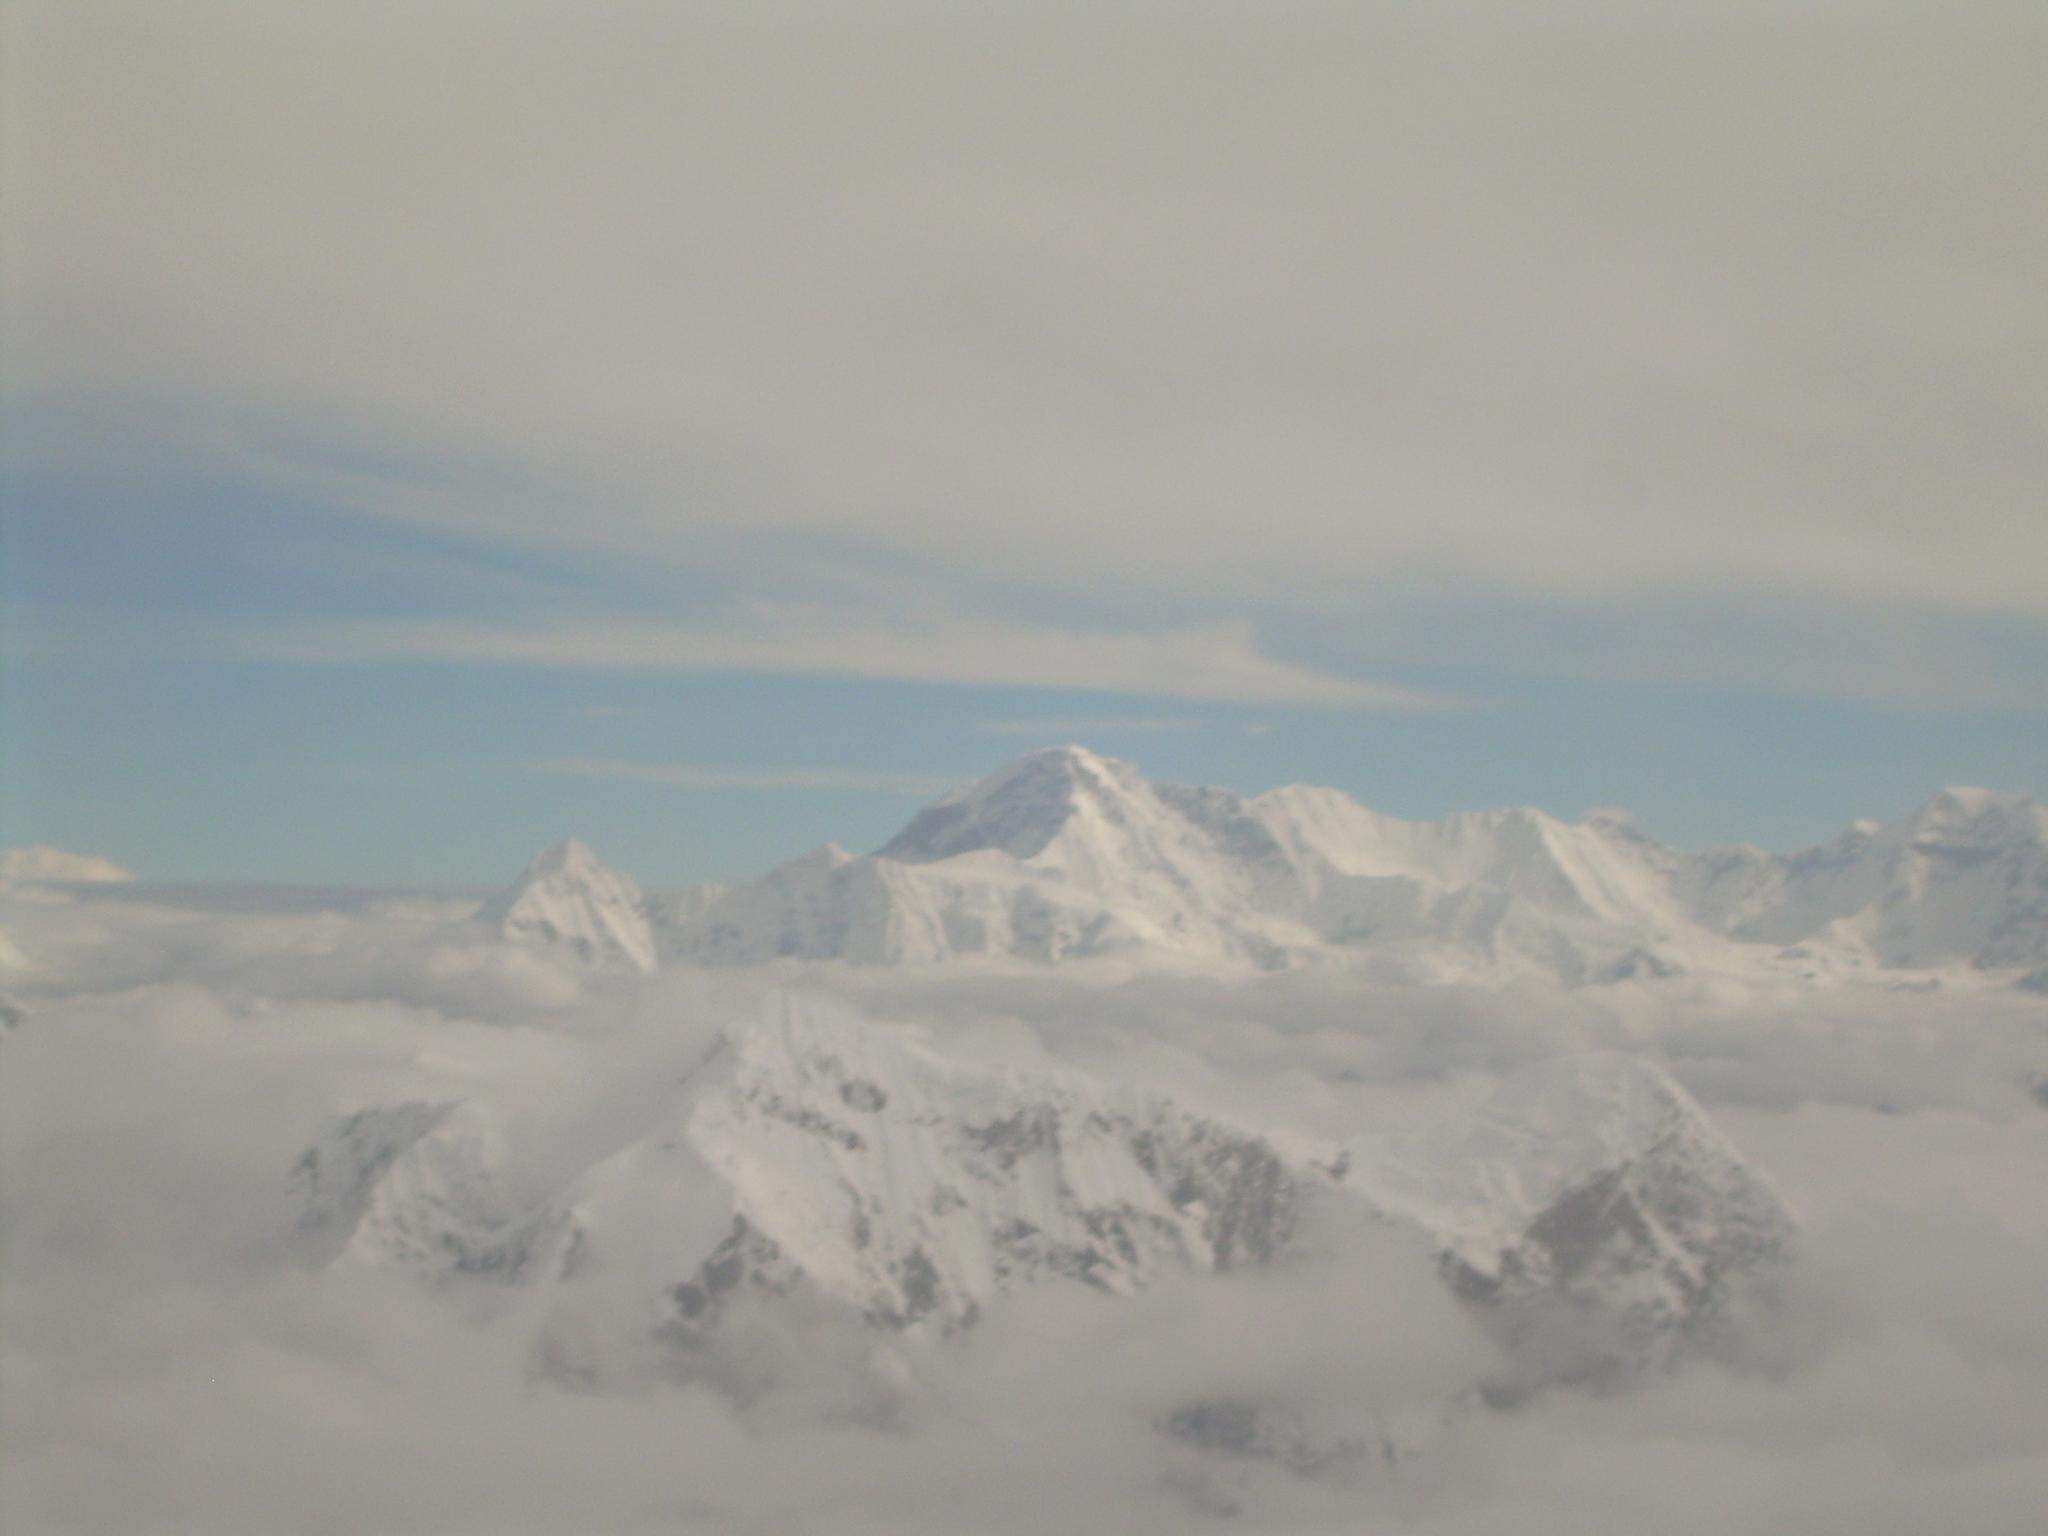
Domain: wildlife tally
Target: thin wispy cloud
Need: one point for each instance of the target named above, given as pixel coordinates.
(709, 776)
(1622, 376)
(1215, 661)
(1082, 726)
(1448, 333)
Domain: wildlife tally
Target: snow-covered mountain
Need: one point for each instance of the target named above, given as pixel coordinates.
(1062, 854)
(815, 1158)
(41, 863)
(1066, 854)
(1963, 879)
(569, 898)
(1595, 1181)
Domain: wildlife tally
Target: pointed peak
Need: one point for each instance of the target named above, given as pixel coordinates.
(1018, 809)
(569, 896)
(1046, 767)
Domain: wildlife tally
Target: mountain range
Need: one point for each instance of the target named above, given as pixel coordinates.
(814, 1161)
(1066, 855)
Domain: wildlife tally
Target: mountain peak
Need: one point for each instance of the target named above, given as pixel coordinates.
(815, 1151)
(1050, 771)
(1017, 810)
(1065, 853)
(569, 897)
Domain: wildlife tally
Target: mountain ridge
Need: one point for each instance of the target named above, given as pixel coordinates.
(815, 1154)
(1064, 854)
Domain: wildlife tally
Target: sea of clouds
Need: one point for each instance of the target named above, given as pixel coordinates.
(169, 1363)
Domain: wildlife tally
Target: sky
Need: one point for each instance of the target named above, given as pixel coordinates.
(429, 432)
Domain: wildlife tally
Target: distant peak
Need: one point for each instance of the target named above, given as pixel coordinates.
(569, 896)
(1018, 809)
(1046, 766)
(569, 862)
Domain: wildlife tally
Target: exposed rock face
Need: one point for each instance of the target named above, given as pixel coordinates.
(814, 1154)
(335, 1179)
(1594, 1182)
(415, 1186)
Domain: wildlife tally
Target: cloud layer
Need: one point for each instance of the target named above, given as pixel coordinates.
(168, 1368)
(1216, 321)
(1219, 661)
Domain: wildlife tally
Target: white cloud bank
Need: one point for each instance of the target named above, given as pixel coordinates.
(42, 862)
(164, 1367)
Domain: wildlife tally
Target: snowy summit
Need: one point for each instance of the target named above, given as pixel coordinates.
(569, 898)
(1066, 854)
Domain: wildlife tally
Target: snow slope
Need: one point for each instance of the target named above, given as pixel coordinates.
(1066, 855)
(1965, 878)
(1594, 1180)
(568, 898)
(815, 1154)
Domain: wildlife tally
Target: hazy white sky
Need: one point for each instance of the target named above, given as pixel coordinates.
(1299, 355)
